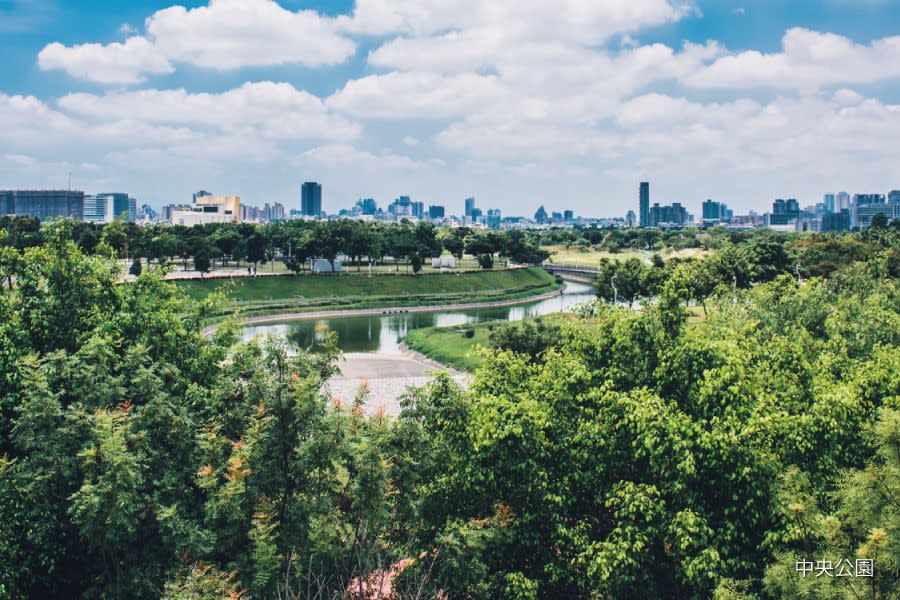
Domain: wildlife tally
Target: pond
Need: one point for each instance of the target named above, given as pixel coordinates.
(384, 333)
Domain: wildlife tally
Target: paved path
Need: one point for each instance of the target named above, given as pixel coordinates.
(386, 376)
(365, 312)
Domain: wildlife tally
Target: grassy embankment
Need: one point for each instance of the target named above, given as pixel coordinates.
(451, 346)
(588, 257)
(303, 293)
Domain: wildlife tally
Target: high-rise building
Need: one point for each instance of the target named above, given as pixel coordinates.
(367, 206)
(837, 221)
(865, 206)
(470, 206)
(829, 202)
(493, 218)
(540, 216)
(842, 201)
(120, 207)
(97, 209)
(201, 194)
(436, 211)
(630, 219)
(44, 204)
(311, 199)
(401, 207)
(674, 215)
(418, 210)
(569, 215)
(784, 212)
(645, 204)
(894, 198)
(476, 215)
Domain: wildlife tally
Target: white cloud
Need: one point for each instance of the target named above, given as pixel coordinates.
(226, 34)
(268, 109)
(19, 159)
(126, 62)
(416, 95)
(584, 21)
(348, 157)
(809, 59)
(410, 141)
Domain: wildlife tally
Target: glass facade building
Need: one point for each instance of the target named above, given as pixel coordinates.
(311, 199)
(44, 204)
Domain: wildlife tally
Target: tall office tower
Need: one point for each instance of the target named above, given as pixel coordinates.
(894, 202)
(568, 215)
(829, 203)
(493, 218)
(645, 204)
(123, 207)
(435, 211)
(367, 206)
(311, 199)
(842, 202)
(470, 206)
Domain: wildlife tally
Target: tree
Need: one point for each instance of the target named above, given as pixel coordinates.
(202, 261)
(136, 267)
(879, 221)
(622, 281)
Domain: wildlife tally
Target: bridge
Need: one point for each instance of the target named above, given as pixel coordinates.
(572, 272)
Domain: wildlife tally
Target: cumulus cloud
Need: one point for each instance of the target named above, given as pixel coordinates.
(809, 59)
(273, 110)
(226, 34)
(344, 155)
(127, 62)
(584, 21)
(416, 95)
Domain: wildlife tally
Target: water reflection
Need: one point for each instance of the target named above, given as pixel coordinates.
(384, 333)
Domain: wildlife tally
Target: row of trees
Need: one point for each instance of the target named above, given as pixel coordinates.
(629, 455)
(759, 257)
(294, 242)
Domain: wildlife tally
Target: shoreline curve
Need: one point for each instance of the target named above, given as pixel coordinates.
(385, 311)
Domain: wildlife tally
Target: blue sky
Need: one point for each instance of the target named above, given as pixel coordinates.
(520, 103)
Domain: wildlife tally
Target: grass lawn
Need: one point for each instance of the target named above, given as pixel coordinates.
(300, 293)
(449, 345)
(588, 257)
(452, 347)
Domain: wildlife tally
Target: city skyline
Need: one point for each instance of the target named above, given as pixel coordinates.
(752, 100)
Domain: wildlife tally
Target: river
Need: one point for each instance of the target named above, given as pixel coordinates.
(384, 333)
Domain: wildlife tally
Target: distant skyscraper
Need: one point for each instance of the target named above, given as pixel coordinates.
(842, 201)
(716, 212)
(828, 201)
(673, 215)
(311, 199)
(568, 215)
(645, 204)
(418, 210)
(470, 206)
(630, 219)
(436, 211)
(541, 215)
(367, 206)
(493, 218)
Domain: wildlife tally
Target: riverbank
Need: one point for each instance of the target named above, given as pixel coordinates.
(287, 295)
(363, 312)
